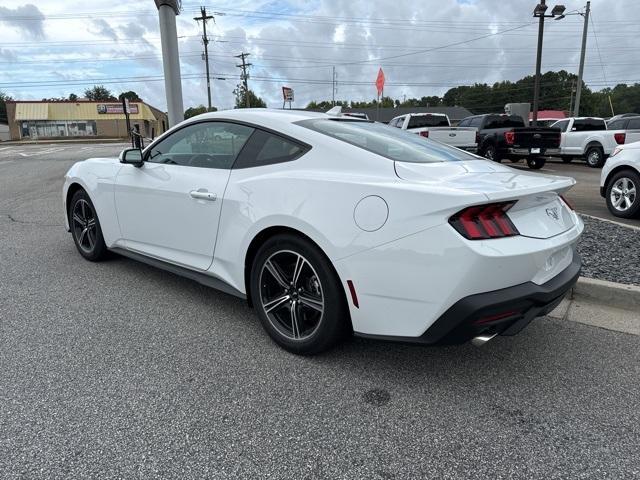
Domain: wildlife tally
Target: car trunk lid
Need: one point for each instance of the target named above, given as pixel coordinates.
(539, 212)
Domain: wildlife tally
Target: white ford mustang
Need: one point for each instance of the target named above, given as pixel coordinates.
(328, 225)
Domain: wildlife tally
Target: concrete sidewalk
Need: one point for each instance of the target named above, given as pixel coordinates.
(70, 140)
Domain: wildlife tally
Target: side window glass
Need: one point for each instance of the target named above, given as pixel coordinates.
(203, 145)
(634, 124)
(476, 122)
(464, 123)
(266, 149)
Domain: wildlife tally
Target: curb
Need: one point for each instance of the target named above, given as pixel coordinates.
(47, 142)
(617, 295)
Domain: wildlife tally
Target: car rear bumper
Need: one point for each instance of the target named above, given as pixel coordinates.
(503, 312)
(526, 152)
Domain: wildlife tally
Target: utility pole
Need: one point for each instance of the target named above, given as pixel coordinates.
(204, 17)
(576, 110)
(334, 86)
(245, 76)
(167, 11)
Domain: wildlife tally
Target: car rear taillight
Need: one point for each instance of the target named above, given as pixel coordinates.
(485, 221)
(620, 138)
(477, 138)
(510, 137)
(424, 134)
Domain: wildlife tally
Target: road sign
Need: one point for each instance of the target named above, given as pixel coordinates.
(380, 81)
(287, 94)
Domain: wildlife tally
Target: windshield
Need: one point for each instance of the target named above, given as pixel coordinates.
(387, 141)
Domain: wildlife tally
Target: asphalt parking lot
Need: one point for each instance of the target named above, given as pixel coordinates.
(118, 370)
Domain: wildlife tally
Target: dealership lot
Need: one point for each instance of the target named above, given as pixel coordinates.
(118, 369)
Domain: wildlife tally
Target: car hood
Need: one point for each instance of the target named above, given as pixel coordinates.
(495, 181)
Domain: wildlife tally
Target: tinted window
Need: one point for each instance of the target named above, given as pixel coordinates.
(476, 122)
(504, 121)
(387, 141)
(421, 121)
(619, 124)
(634, 123)
(204, 145)
(464, 123)
(588, 125)
(562, 125)
(264, 148)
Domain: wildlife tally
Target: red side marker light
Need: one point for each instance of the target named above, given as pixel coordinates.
(354, 297)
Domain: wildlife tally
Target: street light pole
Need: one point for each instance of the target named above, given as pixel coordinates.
(576, 107)
(167, 11)
(539, 12)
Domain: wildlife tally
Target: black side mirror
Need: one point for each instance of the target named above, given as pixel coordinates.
(132, 156)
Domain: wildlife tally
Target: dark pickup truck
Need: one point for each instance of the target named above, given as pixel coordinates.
(501, 136)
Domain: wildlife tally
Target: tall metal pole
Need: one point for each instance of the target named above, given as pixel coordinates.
(536, 86)
(333, 86)
(576, 111)
(204, 17)
(167, 11)
(245, 78)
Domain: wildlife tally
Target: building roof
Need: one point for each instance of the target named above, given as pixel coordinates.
(386, 114)
(76, 110)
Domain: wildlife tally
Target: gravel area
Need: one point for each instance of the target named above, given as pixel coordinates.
(610, 252)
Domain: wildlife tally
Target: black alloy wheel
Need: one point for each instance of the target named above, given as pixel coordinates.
(85, 227)
(299, 299)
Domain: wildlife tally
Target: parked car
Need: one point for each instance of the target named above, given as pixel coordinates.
(437, 126)
(587, 138)
(503, 136)
(625, 129)
(620, 181)
(622, 115)
(329, 225)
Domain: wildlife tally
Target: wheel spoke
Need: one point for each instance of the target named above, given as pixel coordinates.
(82, 207)
(91, 223)
(273, 269)
(77, 219)
(617, 201)
(298, 268)
(82, 235)
(295, 328)
(310, 302)
(616, 190)
(276, 303)
(90, 238)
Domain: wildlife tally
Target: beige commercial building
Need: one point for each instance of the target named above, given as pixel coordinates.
(82, 118)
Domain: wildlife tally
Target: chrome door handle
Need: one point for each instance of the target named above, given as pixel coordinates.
(200, 195)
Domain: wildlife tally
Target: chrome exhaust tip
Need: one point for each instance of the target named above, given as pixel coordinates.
(480, 340)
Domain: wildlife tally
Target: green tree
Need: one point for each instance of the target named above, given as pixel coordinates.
(193, 111)
(131, 95)
(73, 97)
(4, 98)
(99, 93)
(254, 100)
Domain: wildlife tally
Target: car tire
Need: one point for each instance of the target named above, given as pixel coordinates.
(622, 194)
(536, 163)
(566, 159)
(85, 227)
(298, 295)
(594, 156)
(491, 153)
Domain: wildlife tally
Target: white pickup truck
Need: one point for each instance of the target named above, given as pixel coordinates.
(588, 138)
(436, 126)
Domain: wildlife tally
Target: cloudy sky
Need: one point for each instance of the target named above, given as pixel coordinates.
(425, 47)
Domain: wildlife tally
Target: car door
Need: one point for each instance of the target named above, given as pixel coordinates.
(169, 208)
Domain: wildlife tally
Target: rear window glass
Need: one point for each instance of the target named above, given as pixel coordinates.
(421, 121)
(617, 124)
(562, 125)
(588, 125)
(387, 141)
(504, 121)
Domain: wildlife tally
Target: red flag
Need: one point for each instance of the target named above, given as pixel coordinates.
(380, 81)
